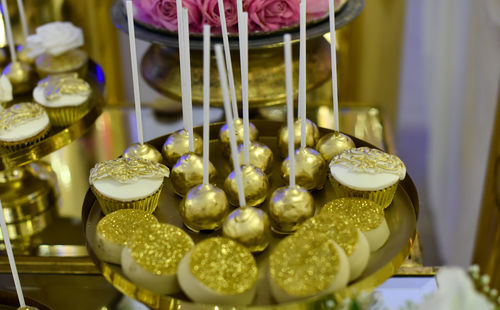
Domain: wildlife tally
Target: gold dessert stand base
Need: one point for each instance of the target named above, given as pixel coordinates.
(401, 217)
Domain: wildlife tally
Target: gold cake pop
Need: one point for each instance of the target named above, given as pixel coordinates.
(250, 227)
(255, 183)
(312, 136)
(310, 169)
(332, 144)
(238, 128)
(21, 76)
(260, 156)
(177, 144)
(188, 172)
(144, 151)
(289, 207)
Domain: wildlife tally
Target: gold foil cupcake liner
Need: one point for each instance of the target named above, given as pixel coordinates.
(17, 145)
(382, 197)
(109, 205)
(64, 116)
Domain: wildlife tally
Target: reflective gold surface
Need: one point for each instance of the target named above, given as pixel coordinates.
(400, 216)
(144, 151)
(177, 144)
(260, 156)
(310, 169)
(312, 136)
(238, 130)
(21, 76)
(188, 172)
(289, 207)
(255, 184)
(250, 227)
(332, 144)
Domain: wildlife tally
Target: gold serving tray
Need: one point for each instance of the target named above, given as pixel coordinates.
(401, 217)
(60, 136)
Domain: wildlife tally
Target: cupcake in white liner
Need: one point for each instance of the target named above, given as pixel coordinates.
(307, 264)
(127, 183)
(362, 214)
(115, 230)
(367, 173)
(152, 256)
(22, 125)
(349, 238)
(65, 98)
(219, 271)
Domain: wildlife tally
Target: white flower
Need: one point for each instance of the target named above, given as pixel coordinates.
(55, 39)
(455, 292)
(5, 89)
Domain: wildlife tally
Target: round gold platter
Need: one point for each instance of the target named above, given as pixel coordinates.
(401, 217)
(60, 136)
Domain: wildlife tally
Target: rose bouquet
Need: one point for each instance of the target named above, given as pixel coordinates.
(263, 15)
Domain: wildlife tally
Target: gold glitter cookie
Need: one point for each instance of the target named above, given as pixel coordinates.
(152, 255)
(115, 230)
(363, 214)
(307, 264)
(219, 271)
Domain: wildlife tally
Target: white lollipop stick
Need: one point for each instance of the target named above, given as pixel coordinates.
(333, 54)
(243, 36)
(206, 101)
(135, 74)
(289, 107)
(302, 74)
(181, 61)
(10, 254)
(230, 125)
(8, 30)
(227, 53)
(24, 24)
(187, 64)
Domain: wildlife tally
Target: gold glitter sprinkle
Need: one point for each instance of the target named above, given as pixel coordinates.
(119, 226)
(20, 114)
(367, 160)
(336, 228)
(54, 86)
(304, 264)
(127, 170)
(223, 265)
(158, 248)
(361, 213)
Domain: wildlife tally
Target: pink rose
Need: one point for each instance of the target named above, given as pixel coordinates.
(316, 8)
(210, 11)
(270, 15)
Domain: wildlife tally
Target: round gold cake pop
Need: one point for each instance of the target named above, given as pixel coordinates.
(260, 156)
(310, 169)
(312, 136)
(205, 207)
(177, 144)
(144, 151)
(23, 55)
(238, 130)
(332, 144)
(248, 226)
(188, 172)
(255, 184)
(21, 76)
(289, 207)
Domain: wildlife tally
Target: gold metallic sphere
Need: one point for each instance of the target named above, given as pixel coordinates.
(255, 184)
(310, 169)
(312, 136)
(289, 207)
(144, 151)
(260, 156)
(333, 144)
(188, 172)
(177, 144)
(23, 55)
(238, 130)
(205, 207)
(248, 226)
(21, 76)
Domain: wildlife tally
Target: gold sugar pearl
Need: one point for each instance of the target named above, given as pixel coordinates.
(119, 226)
(223, 265)
(158, 248)
(336, 228)
(304, 264)
(359, 212)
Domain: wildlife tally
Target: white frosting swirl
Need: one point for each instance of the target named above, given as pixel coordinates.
(55, 39)
(5, 89)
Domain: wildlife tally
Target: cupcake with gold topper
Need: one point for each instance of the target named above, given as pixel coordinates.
(219, 271)
(368, 173)
(64, 96)
(151, 257)
(55, 46)
(23, 124)
(127, 183)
